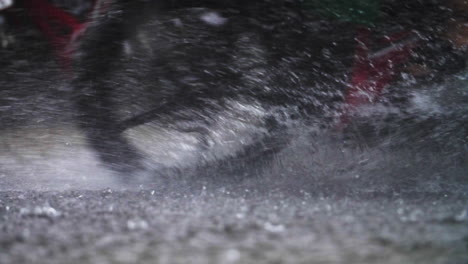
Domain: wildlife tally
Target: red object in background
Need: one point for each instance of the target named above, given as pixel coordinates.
(372, 72)
(60, 27)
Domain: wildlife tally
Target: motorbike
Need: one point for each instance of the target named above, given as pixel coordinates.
(211, 81)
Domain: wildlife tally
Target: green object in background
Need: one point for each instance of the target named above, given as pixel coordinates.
(356, 11)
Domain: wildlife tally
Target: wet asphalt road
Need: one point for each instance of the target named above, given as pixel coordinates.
(109, 226)
(321, 203)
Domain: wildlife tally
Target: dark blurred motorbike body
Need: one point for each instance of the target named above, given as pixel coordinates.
(170, 84)
(215, 79)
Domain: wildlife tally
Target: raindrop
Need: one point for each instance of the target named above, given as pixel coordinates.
(240, 215)
(463, 216)
(136, 224)
(274, 228)
(213, 18)
(415, 215)
(40, 211)
(400, 211)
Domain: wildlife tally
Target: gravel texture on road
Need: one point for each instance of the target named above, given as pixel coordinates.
(109, 226)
